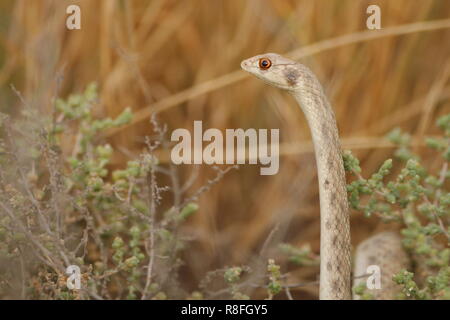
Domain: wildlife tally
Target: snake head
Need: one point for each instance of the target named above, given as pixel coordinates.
(275, 70)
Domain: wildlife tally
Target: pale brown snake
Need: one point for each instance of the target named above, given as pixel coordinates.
(335, 246)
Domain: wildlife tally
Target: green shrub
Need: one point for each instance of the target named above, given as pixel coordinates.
(418, 199)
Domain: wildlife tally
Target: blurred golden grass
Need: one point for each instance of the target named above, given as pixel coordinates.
(183, 57)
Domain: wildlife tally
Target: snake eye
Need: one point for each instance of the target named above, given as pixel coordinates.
(264, 63)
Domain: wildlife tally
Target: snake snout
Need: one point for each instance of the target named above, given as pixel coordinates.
(245, 64)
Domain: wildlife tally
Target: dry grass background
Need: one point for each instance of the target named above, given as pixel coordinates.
(182, 58)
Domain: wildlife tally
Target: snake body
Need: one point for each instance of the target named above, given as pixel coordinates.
(335, 246)
(384, 250)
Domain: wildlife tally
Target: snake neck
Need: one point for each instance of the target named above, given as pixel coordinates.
(335, 266)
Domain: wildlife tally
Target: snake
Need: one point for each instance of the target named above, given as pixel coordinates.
(335, 279)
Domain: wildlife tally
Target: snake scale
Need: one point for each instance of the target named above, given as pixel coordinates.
(384, 249)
